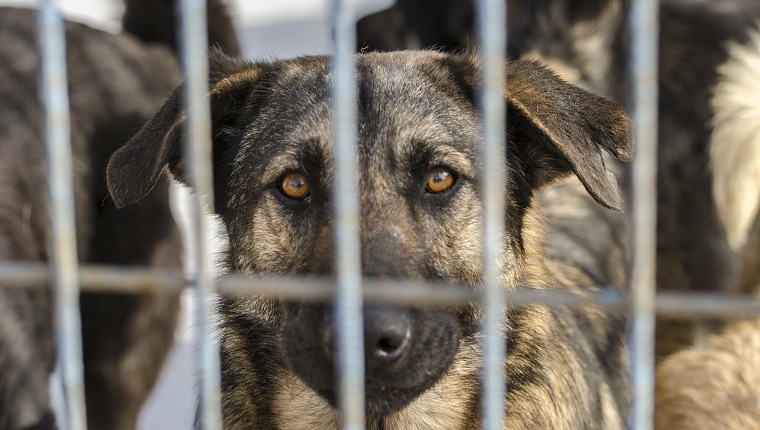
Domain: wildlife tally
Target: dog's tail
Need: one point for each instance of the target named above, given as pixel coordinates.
(735, 140)
(156, 21)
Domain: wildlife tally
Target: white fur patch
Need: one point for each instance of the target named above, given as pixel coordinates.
(735, 141)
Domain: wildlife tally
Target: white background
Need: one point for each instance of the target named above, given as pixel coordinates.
(268, 29)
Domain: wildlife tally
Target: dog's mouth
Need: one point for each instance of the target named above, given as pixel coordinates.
(406, 351)
(379, 400)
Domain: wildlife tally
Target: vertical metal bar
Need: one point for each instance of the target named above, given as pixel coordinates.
(63, 246)
(193, 39)
(491, 16)
(644, 27)
(348, 299)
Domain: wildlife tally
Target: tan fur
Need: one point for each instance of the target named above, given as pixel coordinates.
(715, 387)
(448, 404)
(558, 66)
(236, 80)
(298, 407)
(735, 141)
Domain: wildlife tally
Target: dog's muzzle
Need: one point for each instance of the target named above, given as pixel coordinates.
(406, 351)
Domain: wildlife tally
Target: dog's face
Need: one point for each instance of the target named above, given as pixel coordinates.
(419, 180)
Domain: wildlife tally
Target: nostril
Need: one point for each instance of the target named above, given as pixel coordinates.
(387, 334)
(392, 345)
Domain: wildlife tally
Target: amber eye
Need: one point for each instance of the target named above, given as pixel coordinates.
(439, 180)
(294, 186)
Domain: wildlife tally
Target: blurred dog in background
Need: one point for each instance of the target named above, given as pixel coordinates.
(115, 81)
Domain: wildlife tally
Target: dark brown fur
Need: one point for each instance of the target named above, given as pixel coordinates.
(750, 264)
(115, 82)
(586, 42)
(566, 368)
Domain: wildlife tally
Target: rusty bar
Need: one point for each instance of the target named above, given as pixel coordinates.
(117, 279)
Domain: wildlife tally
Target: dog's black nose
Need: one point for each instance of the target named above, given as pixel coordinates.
(387, 335)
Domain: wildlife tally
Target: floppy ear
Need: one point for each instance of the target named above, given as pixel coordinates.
(134, 169)
(558, 128)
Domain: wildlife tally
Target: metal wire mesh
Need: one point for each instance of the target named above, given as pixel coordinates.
(67, 276)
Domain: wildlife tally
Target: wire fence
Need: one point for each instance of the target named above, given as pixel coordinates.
(349, 291)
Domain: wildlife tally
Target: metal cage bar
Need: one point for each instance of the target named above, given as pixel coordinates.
(119, 279)
(62, 237)
(194, 57)
(644, 26)
(348, 297)
(491, 21)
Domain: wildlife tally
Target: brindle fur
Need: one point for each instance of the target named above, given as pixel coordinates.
(586, 43)
(115, 83)
(566, 368)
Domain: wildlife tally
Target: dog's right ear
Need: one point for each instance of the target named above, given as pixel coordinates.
(559, 129)
(135, 168)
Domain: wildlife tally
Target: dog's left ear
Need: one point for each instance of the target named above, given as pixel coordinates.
(557, 128)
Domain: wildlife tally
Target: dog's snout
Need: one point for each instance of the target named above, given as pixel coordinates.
(387, 335)
(406, 350)
(383, 253)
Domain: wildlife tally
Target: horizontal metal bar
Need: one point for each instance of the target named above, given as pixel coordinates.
(119, 279)
(110, 279)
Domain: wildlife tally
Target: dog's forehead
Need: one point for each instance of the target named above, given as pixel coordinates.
(413, 103)
(418, 97)
(405, 101)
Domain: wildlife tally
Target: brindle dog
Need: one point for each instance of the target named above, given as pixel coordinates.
(421, 207)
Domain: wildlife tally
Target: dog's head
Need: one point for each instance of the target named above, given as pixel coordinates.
(419, 180)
